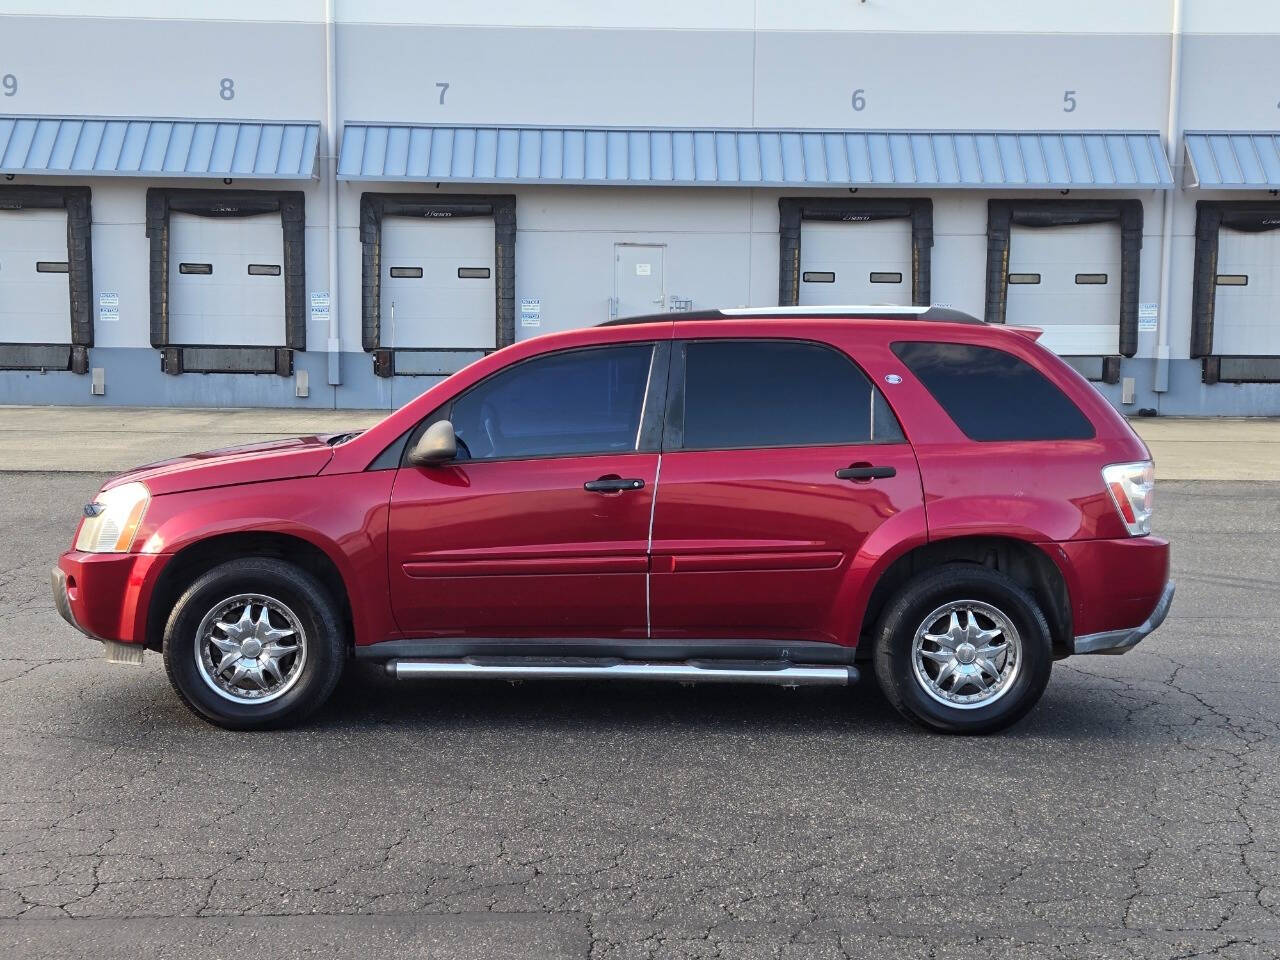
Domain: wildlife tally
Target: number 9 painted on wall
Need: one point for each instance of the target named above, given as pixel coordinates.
(10, 84)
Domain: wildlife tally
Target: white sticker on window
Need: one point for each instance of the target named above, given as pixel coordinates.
(643, 269)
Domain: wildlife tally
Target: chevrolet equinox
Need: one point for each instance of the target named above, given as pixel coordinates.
(771, 496)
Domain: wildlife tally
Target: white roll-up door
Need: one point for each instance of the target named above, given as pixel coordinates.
(855, 262)
(1066, 280)
(1246, 319)
(226, 280)
(35, 295)
(438, 283)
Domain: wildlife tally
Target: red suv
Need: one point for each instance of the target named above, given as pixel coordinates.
(754, 496)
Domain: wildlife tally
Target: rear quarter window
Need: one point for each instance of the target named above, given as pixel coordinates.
(993, 395)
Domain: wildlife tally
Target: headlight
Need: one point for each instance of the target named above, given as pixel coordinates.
(112, 520)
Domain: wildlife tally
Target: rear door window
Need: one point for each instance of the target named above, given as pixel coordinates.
(993, 395)
(740, 394)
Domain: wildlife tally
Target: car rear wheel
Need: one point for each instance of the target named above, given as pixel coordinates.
(254, 643)
(963, 649)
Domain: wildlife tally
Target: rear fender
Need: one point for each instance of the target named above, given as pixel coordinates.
(895, 537)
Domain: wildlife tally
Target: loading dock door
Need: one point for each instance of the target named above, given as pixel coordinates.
(226, 280)
(1066, 280)
(35, 296)
(1247, 293)
(857, 262)
(438, 283)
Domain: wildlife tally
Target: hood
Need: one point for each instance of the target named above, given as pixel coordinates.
(249, 463)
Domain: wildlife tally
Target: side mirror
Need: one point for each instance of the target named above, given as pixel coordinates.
(437, 445)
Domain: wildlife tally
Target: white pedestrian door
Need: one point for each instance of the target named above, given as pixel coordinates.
(1066, 280)
(226, 280)
(637, 279)
(1246, 315)
(438, 283)
(855, 262)
(35, 297)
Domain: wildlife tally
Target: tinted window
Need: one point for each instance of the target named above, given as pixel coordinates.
(762, 393)
(992, 395)
(581, 401)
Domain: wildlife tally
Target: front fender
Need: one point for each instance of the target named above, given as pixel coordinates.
(343, 516)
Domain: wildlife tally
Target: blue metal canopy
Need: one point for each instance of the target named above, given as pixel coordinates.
(143, 147)
(817, 158)
(1240, 160)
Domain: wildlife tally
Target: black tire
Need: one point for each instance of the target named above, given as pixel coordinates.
(304, 596)
(928, 592)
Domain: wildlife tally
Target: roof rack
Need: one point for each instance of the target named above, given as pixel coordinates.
(931, 314)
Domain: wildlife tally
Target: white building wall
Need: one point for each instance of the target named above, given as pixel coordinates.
(919, 64)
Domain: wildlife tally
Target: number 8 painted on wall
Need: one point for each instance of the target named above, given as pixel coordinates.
(227, 89)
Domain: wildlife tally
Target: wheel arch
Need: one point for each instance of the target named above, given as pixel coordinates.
(196, 558)
(1023, 561)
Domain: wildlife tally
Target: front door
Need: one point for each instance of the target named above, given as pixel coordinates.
(783, 461)
(638, 279)
(540, 527)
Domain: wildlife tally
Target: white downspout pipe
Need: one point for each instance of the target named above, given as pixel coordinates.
(1161, 384)
(331, 184)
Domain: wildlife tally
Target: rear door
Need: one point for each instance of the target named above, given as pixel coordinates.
(779, 460)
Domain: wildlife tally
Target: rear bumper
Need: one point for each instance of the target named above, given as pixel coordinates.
(106, 595)
(1122, 641)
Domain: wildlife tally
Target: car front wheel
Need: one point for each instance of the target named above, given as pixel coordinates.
(254, 642)
(963, 649)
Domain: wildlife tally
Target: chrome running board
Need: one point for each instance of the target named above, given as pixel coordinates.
(778, 673)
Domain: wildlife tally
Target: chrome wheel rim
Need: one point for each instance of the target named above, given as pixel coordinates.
(966, 654)
(250, 649)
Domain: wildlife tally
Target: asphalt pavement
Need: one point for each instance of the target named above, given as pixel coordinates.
(1134, 813)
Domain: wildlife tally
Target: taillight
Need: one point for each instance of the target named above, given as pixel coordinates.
(1132, 486)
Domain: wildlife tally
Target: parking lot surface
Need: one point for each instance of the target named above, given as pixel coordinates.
(1134, 813)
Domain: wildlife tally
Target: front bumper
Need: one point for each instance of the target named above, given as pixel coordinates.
(62, 600)
(106, 595)
(1122, 641)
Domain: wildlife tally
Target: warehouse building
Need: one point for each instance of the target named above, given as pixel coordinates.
(335, 204)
